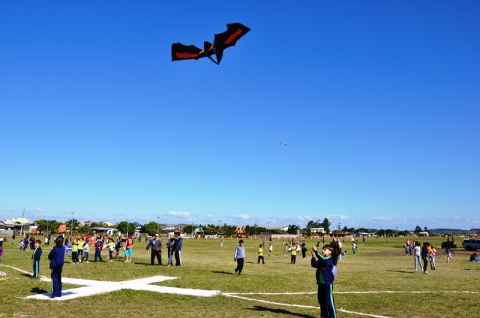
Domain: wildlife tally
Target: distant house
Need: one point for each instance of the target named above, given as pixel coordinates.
(240, 231)
(107, 224)
(317, 230)
(105, 230)
(422, 233)
(22, 225)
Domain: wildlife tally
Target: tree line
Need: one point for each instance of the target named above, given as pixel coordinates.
(151, 228)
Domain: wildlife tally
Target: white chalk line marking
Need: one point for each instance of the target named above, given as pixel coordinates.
(234, 295)
(93, 287)
(238, 295)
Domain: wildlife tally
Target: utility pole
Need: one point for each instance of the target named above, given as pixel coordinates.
(71, 229)
(21, 224)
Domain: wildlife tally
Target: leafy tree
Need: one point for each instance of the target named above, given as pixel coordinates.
(292, 229)
(326, 225)
(72, 224)
(418, 229)
(425, 229)
(151, 228)
(126, 227)
(84, 229)
(96, 224)
(45, 226)
(229, 230)
(189, 229)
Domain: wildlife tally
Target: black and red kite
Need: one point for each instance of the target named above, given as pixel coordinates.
(221, 41)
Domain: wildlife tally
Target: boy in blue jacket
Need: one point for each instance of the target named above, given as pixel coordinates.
(56, 258)
(324, 264)
(37, 254)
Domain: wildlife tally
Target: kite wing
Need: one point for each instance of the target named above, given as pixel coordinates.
(186, 52)
(235, 31)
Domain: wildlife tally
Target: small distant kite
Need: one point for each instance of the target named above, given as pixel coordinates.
(284, 144)
(234, 32)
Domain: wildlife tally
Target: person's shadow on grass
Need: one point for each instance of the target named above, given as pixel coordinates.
(222, 272)
(280, 312)
(37, 290)
(400, 271)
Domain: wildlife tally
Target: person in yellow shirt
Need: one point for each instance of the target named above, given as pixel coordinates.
(260, 254)
(81, 242)
(75, 251)
(293, 253)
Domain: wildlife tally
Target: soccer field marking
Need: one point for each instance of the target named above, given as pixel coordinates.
(241, 296)
(237, 295)
(94, 287)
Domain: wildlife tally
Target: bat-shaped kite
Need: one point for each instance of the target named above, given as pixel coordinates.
(222, 41)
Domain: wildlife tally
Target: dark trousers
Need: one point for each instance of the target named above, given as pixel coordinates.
(156, 254)
(261, 258)
(75, 257)
(98, 254)
(57, 282)
(178, 258)
(326, 301)
(36, 269)
(239, 266)
(425, 263)
(293, 259)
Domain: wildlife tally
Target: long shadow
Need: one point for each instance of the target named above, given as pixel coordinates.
(148, 264)
(38, 290)
(222, 272)
(280, 312)
(399, 271)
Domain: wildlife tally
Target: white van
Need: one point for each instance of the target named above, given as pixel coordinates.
(471, 244)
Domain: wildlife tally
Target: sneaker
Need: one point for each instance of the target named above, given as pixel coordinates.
(86, 262)
(425, 272)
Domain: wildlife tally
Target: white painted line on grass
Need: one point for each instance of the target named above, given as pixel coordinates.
(94, 287)
(237, 295)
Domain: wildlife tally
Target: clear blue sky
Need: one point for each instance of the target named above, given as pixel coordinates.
(378, 100)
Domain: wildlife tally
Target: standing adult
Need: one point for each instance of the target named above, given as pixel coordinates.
(335, 251)
(416, 255)
(155, 244)
(56, 258)
(425, 256)
(303, 245)
(170, 245)
(177, 248)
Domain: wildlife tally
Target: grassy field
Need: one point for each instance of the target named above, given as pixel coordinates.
(378, 281)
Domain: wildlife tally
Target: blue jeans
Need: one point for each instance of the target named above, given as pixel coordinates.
(417, 260)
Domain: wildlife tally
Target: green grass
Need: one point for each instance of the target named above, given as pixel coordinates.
(381, 271)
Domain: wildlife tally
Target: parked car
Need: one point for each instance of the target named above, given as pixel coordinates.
(471, 244)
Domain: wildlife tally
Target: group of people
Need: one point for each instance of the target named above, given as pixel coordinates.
(174, 249)
(425, 253)
(80, 248)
